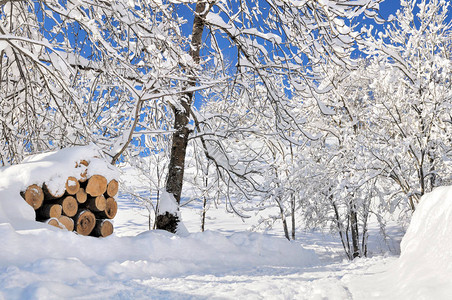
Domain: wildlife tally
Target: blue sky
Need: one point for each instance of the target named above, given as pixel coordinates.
(389, 7)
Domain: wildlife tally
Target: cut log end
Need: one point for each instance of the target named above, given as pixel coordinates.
(83, 176)
(34, 196)
(97, 185)
(103, 228)
(54, 222)
(52, 194)
(70, 206)
(49, 211)
(85, 222)
(97, 204)
(67, 222)
(111, 209)
(112, 188)
(72, 185)
(81, 196)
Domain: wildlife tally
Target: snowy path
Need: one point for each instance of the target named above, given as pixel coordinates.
(333, 278)
(328, 282)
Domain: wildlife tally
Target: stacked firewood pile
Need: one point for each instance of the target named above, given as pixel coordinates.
(86, 205)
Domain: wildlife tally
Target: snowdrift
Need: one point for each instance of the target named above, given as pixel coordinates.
(43, 264)
(424, 268)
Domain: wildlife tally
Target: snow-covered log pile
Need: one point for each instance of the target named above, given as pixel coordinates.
(86, 205)
(72, 189)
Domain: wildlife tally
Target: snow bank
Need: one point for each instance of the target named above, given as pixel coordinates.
(44, 264)
(53, 168)
(424, 268)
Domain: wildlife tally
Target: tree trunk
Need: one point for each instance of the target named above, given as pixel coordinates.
(365, 235)
(203, 218)
(283, 219)
(293, 215)
(286, 231)
(155, 210)
(178, 150)
(340, 228)
(181, 133)
(204, 202)
(354, 229)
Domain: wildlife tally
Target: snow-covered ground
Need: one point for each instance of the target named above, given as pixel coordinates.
(50, 263)
(227, 261)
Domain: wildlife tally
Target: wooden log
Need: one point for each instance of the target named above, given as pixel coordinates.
(81, 195)
(97, 185)
(112, 188)
(49, 193)
(110, 210)
(34, 196)
(97, 204)
(67, 222)
(83, 176)
(72, 185)
(82, 162)
(103, 228)
(84, 222)
(69, 205)
(49, 211)
(54, 222)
